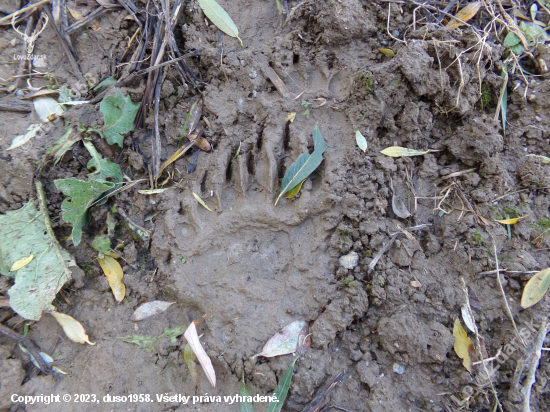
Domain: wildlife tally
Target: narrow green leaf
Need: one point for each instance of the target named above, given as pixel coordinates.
(220, 18)
(245, 405)
(504, 101)
(305, 164)
(184, 129)
(536, 288)
(102, 85)
(81, 196)
(282, 389)
(119, 113)
(361, 141)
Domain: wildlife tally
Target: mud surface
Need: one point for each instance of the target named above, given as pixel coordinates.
(248, 268)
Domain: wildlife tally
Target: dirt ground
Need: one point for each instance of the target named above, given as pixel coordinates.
(250, 267)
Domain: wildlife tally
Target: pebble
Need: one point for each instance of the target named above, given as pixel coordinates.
(253, 73)
(397, 368)
(350, 260)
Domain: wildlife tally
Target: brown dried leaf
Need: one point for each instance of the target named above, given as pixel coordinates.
(193, 340)
(150, 309)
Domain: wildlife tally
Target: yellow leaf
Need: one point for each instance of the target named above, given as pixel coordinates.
(72, 328)
(536, 288)
(295, 190)
(290, 118)
(465, 14)
(75, 13)
(463, 345)
(201, 202)
(153, 191)
(512, 221)
(21, 263)
(396, 151)
(387, 52)
(114, 274)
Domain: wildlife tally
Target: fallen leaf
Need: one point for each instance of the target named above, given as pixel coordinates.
(295, 190)
(282, 389)
(21, 263)
(544, 159)
(153, 191)
(194, 116)
(283, 342)
(46, 108)
(512, 221)
(72, 328)
(361, 141)
(387, 52)
(193, 339)
(304, 341)
(290, 117)
(201, 202)
(304, 165)
(20, 140)
(396, 151)
(202, 144)
(468, 319)
(114, 274)
(245, 405)
(191, 362)
(23, 232)
(535, 288)
(150, 309)
(119, 113)
(220, 18)
(465, 14)
(75, 13)
(463, 345)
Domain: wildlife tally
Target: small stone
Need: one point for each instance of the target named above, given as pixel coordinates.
(350, 260)
(253, 73)
(397, 368)
(415, 284)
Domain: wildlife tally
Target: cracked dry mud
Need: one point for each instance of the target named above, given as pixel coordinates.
(250, 267)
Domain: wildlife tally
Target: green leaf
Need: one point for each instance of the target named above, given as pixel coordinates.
(102, 85)
(504, 101)
(518, 48)
(245, 405)
(220, 18)
(305, 164)
(104, 169)
(536, 288)
(101, 243)
(361, 141)
(282, 389)
(534, 32)
(81, 196)
(23, 232)
(511, 39)
(146, 342)
(119, 113)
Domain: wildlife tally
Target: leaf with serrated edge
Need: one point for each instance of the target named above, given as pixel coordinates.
(193, 339)
(245, 405)
(21, 263)
(201, 202)
(305, 164)
(282, 389)
(22, 233)
(81, 196)
(397, 151)
(283, 342)
(465, 14)
(361, 141)
(220, 18)
(114, 274)
(536, 288)
(119, 113)
(72, 328)
(150, 309)
(463, 345)
(103, 168)
(191, 362)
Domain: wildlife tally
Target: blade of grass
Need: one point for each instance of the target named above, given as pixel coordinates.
(184, 129)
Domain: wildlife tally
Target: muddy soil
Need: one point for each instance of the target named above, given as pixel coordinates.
(248, 268)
